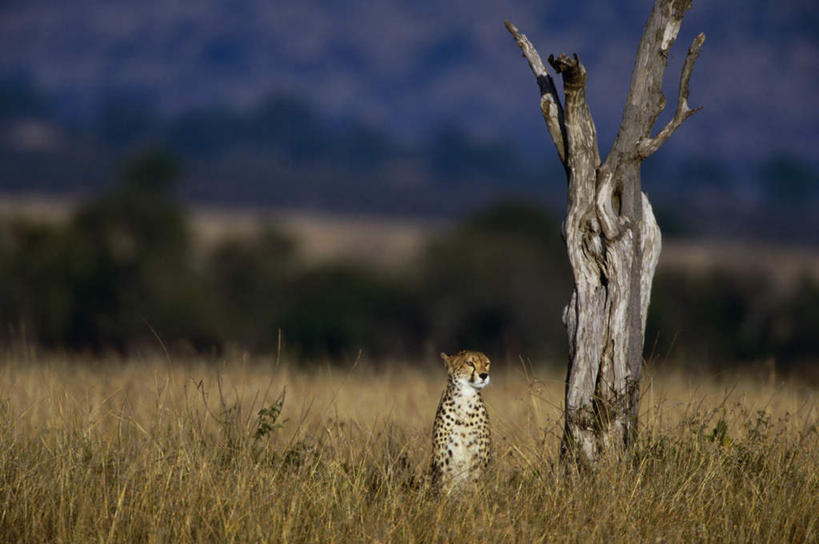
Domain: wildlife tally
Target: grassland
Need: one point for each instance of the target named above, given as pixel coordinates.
(146, 451)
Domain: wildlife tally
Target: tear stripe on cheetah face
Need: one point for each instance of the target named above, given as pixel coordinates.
(468, 368)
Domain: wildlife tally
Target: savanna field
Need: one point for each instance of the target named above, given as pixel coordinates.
(254, 451)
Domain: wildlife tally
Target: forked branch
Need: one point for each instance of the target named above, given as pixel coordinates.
(647, 146)
(550, 104)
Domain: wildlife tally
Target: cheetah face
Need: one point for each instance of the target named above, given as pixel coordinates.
(468, 367)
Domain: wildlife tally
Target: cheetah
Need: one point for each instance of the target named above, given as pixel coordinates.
(460, 435)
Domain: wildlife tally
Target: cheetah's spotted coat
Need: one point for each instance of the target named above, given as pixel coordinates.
(460, 436)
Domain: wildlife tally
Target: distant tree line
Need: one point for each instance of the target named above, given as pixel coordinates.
(125, 274)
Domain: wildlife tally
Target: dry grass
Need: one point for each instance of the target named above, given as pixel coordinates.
(146, 452)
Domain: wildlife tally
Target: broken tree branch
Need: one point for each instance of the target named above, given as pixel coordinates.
(645, 100)
(582, 154)
(647, 146)
(550, 104)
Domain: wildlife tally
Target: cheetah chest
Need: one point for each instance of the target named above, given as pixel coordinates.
(462, 434)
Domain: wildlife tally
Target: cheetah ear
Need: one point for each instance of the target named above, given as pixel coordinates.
(446, 359)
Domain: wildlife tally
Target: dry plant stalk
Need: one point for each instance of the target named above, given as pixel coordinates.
(612, 238)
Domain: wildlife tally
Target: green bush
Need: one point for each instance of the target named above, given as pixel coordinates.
(498, 283)
(250, 277)
(120, 275)
(336, 310)
(709, 317)
(37, 294)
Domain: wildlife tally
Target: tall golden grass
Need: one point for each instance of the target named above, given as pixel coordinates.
(146, 451)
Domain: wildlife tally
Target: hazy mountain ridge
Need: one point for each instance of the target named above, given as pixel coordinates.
(413, 66)
(409, 108)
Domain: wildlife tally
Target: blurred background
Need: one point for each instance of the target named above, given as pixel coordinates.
(343, 179)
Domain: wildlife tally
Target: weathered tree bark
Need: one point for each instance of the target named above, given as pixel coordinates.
(612, 238)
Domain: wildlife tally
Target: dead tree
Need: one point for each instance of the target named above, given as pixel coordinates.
(612, 238)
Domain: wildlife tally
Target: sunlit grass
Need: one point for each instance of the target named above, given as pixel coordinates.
(143, 451)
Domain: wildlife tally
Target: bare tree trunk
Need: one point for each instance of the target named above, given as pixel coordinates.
(612, 238)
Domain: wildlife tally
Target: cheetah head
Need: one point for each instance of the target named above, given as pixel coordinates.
(468, 367)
